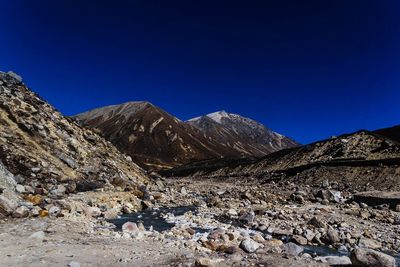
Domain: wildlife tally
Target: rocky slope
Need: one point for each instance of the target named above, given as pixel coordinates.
(391, 133)
(151, 136)
(158, 140)
(361, 159)
(44, 155)
(242, 134)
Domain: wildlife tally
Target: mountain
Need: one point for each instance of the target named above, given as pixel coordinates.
(151, 136)
(157, 140)
(242, 134)
(361, 160)
(48, 155)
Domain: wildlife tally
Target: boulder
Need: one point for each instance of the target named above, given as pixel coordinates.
(93, 212)
(300, 240)
(249, 245)
(292, 249)
(20, 188)
(329, 195)
(247, 218)
(317, 222)
(7, 205)
(207, 262)
(54, 211)
(130, 227)
(369, 257)
(21, 212)
(368, 243)
(335, 260)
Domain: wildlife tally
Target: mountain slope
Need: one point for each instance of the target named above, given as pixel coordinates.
(360, 160)
(391, 133)
(243, 134)
(43, 149)
(151, 136)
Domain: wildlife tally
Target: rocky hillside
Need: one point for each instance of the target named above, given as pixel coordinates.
(151, 136)
(44, 154)
(242, 134)
(158, 140)
(391, 133)
(360, 160)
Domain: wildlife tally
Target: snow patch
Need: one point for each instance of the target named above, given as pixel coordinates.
(217, 116)
(154, 124)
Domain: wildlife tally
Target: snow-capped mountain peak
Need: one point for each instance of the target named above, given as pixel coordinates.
(217, 116)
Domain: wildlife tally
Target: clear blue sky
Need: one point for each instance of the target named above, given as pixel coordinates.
(307, 69)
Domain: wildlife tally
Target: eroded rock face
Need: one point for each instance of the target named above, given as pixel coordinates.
(9, 200)
(50, 155)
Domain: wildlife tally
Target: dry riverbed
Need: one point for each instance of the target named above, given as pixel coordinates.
(229, 224)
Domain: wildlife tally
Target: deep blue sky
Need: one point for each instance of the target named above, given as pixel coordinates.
(307, 69)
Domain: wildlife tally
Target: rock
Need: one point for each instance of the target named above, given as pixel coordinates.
(183, 191)
(273, 243)
(229, 249)
(147, 204)
(332, 236)
(329, 195)
(249, 245)
(16, 77)
(37, 236)
(34, 199)
(300, 240)
(93, 212)
(325, 184)
(20, 188)
(397, 208)
(369, 257)
(7, 205)
(258, 238)
(292, 249)
(368, 243)
(309, 235)
(43, 213)
(247, 218)
(317, 222)
(130, 227)
(54, 211)
(71, 187)
(21, 212)
(232, 213)
(334, 260)
(207, 262)
(111, 214)
(68, 160)
(160, 184)
(74, 264)
(60, 190)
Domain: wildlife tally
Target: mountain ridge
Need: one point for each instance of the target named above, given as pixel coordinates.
(156, 139)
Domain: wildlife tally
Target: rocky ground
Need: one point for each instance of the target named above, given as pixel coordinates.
(243, 225)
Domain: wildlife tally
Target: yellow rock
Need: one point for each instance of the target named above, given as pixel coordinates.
(43, 213)
(34, 199)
